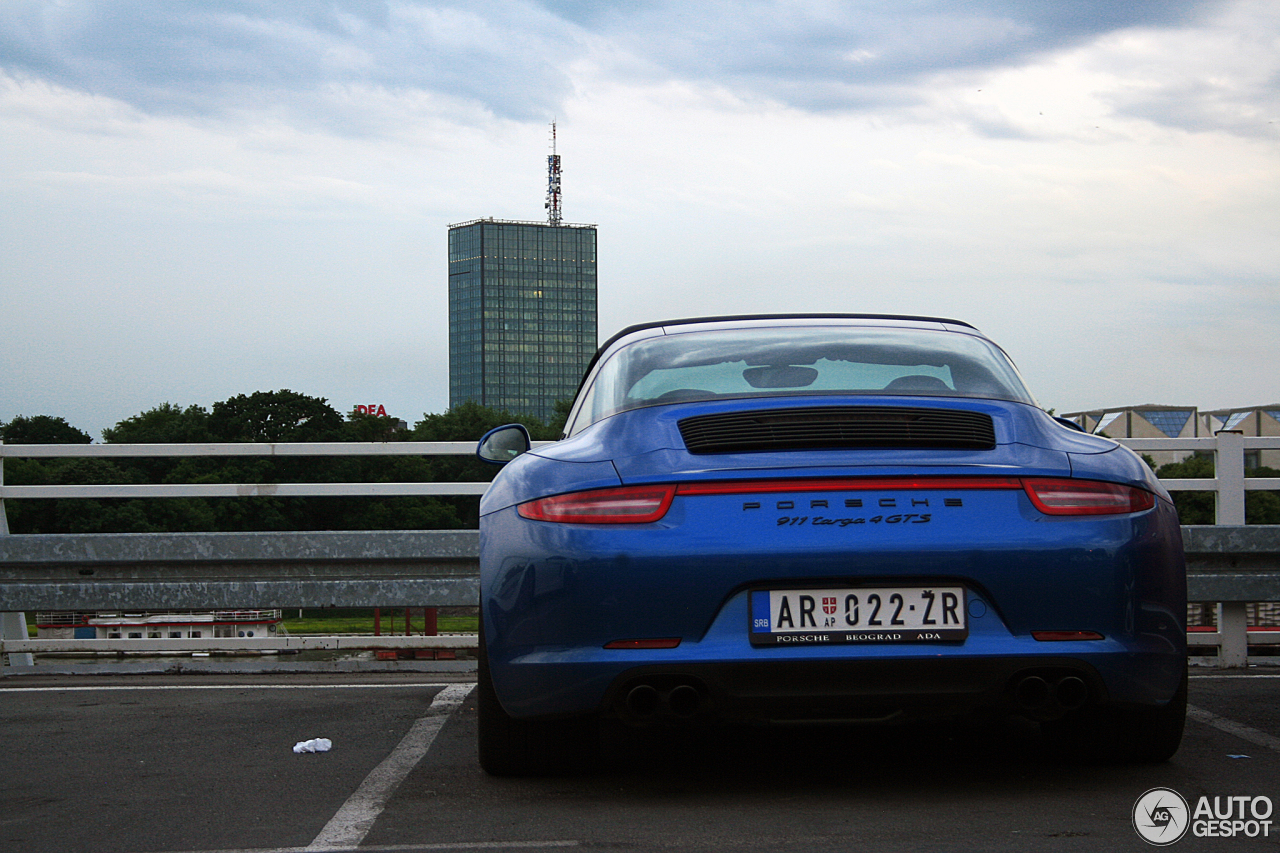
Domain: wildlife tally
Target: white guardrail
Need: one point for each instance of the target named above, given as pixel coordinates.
(1232, 637)
(1261, 577)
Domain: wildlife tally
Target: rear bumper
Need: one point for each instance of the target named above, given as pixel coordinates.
(839, 683)
(854, 691)
(554, 596)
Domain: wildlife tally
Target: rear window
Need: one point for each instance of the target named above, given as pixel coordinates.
(790, 361)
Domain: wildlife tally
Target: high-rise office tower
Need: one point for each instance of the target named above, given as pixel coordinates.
(522, 308)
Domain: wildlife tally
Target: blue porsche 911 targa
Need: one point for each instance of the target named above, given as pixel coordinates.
(821, 518)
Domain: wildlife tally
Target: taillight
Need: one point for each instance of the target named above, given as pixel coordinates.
(1086, 497)
(643, 504)
(625, 505)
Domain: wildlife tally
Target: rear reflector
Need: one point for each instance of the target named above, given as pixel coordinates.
(648, 643)
(625, 505)
(1086, 497)
(1059, 636)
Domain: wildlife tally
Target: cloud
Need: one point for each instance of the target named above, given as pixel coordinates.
(223, 58)
(219, 197)
(512, 58)
(1221, 77)
(841, 56)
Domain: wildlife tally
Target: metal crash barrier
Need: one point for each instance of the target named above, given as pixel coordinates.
(226, 571)
(1229, 564)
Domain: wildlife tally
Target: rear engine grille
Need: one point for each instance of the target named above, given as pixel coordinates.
(831, 427)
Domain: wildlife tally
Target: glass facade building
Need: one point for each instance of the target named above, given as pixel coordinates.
(522, 313)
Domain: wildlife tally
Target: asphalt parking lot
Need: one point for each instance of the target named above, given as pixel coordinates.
(206, 763)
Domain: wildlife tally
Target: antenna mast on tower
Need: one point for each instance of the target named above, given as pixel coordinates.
(553, 181)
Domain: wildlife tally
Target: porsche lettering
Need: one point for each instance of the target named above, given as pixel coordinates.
(853, 503)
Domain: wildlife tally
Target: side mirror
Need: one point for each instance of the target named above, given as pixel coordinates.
(1068, 423)
(502, 444)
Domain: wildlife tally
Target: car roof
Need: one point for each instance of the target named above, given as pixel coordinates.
(729, 320)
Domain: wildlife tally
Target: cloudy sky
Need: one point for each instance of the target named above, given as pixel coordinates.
(203, 199)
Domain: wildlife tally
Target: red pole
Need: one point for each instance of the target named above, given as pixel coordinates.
(377, 621)
(429, 618)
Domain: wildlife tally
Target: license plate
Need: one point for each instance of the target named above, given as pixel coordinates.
(890, 614)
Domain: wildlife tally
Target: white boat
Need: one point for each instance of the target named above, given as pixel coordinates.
(156, 625)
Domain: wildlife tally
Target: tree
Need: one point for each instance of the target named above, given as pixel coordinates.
(40, 516)
(469, 422)
(1193, 507)
(1201, 507)
(559, 417)
(42, 429)
(1262, 507)
(165, 424)
(361, 426)
(274, 416)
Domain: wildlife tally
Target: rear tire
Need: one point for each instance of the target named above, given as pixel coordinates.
(1147, 735)
(1154, 734)
(513, 747)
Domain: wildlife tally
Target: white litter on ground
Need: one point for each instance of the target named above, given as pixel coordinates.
(316, 744)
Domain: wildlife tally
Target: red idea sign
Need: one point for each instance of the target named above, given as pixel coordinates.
(373, 409)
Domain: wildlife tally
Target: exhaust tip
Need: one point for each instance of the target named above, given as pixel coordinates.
(1071, 692)
(1032, 692)
(683, 700)
(643, 700)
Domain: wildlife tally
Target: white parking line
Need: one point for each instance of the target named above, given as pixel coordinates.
(243, 687)
(432, 847)
(356, 817)
(1231, 727)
